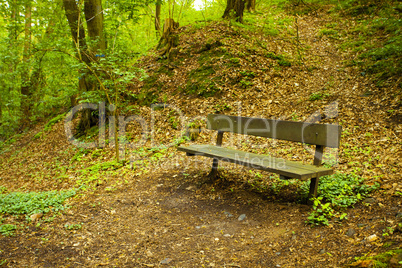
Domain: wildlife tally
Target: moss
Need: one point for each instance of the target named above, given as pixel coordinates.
(201, 82)
(383, 259)
(53, 121)
(282, 61)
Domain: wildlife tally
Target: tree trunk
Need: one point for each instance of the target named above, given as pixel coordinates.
(25, 85)
(234, 10)
(37, 77)
(94, 17)
(84, 84)
(14, 11)
(12, 34)
(250, 5)
(77, 29)
(158, 17)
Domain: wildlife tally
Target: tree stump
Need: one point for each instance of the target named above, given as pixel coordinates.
(168, 40)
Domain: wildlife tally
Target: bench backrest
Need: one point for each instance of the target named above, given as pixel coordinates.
(326, 135)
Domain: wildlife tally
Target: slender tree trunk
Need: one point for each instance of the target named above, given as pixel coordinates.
(37, 78)
(158, 17)
(250, 5)
(12, 35)
(234, 10)
(25, 85)
(13, 18)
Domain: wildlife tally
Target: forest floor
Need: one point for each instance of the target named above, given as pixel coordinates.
(159, 210)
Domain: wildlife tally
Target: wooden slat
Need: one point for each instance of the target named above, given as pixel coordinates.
(283, 167)
(318, 134)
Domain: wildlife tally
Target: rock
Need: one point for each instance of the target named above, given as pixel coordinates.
(350, 232)
(190, 188)
(371, 238)
(242, 217)
(278, 253)
(369, 200)
(36, 216)
(322, 251)
(228, 214)
(166, 261)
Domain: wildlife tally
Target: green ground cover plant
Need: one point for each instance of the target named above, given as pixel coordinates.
(336, 193)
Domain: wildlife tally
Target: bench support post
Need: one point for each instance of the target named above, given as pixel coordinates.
(313, 190)
(319, 151)
(215, 163)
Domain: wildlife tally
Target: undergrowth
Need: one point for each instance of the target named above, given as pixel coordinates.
(336, 193)
(17, 203)
(378, 260)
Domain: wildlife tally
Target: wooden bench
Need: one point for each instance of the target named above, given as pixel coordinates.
(320, 135)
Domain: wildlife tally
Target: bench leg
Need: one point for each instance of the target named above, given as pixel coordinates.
(313, 190)
(214, 171)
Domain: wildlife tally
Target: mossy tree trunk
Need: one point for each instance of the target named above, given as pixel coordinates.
(26, 91)
(234, 10)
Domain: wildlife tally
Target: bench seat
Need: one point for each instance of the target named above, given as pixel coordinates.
(287, 169)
